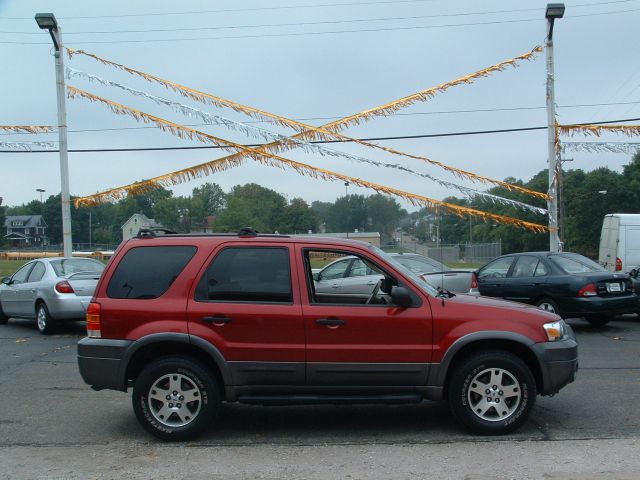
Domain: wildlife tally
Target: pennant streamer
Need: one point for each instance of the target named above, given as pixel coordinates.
(329, 131)
(261, 157)
(597, 147)
(385, 109)
(26, 128)
(258, 132)
(27, 146)
(598, 130)
(304, 170)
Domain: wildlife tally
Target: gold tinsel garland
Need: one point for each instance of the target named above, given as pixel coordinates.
(330, 131)
(26, 128)
(265, 158)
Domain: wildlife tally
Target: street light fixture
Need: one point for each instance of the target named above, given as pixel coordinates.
(47, 21)
(41, 191)
(554, 11)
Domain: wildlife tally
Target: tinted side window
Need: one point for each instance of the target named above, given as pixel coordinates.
(147, 272)
(496, 269)
(37, 273)
(525, 267)
(240, 274)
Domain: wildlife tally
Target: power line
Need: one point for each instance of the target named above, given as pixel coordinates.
(284, 7)
(369, 139)
(330, 32)
(307, 119)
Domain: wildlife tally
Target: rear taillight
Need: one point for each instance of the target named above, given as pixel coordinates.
(618, 264)
(64, 287)
(588, 290)
(474, 280)
(94, 328)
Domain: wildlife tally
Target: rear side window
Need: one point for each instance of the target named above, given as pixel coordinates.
(240, 274)
(147, 272)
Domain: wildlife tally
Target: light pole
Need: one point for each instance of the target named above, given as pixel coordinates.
(47, 21)
(554, 10)
(41, 191)
(346, 200)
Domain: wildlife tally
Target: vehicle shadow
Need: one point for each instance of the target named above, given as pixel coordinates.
(76, 328)
(427, 422)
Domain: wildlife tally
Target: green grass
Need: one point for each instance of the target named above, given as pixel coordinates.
(7, 267)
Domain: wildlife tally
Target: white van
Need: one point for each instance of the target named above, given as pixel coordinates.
(620, 242)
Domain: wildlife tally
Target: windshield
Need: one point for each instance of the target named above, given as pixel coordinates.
(574, 263)
(418, 281)
(69, 266)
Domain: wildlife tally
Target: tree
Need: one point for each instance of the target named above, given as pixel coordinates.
(384, 214)
(347, 214)
(254, 206)
(298, 218)
(211, 198)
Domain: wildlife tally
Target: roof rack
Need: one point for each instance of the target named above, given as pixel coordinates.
(151, 232)
(248, 232)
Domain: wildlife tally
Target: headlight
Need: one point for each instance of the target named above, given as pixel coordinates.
(556, 330)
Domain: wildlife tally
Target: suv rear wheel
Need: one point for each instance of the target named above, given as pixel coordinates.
(176, 398)
(492, 393)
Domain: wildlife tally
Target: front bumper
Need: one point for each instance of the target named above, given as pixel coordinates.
(558, 363)
(102, 362)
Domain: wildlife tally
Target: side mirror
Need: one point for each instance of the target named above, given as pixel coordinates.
(634, 273)
(401, 297)
(6, 280)
(317, 276)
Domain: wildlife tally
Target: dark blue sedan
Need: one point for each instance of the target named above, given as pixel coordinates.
(567, 284)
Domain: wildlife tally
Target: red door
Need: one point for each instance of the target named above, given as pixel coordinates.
(245, 305)
(372, 345)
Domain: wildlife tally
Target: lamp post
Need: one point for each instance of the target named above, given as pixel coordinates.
(47, 21)
(41, 191)
(554, 11)
(346, 199)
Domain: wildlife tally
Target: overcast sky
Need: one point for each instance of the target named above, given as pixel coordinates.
(275, 56)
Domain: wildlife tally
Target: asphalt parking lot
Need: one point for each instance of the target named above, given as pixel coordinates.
(53, 426)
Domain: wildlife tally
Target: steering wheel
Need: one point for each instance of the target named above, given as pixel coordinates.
(374, 292)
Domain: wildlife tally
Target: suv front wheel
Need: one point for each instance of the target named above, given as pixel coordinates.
(492, 393)
(176, 398)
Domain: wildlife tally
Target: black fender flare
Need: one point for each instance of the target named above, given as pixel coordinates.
(438, 376)
(184, 338)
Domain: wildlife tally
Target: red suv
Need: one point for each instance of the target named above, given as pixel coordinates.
(190, 321)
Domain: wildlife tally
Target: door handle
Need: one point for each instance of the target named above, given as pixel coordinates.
(331, 322)
(217, 320)
(335, 285)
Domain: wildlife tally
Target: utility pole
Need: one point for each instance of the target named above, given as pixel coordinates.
(553, 11)
(47, 21)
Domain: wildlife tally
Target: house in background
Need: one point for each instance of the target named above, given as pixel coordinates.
(23, 231)
(137, 221)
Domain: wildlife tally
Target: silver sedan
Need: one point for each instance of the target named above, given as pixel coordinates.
(50, 290)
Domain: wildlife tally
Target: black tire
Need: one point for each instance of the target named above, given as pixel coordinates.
(548, 305)
(45, 323)
(3, 318)
(186, 420)
(599, 321)
(511, 397)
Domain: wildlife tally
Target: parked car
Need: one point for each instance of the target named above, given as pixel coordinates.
(190, 321)
(50, 290)
(566, 284)
(351, 278)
